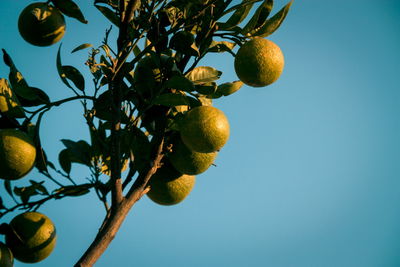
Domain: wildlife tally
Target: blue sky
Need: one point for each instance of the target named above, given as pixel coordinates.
(309, 177)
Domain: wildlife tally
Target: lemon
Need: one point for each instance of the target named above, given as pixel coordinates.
(259, 62)
(168, 186)
(190, 162)
(33, 237)
(205, 129)
(6, 257)
(41, 24)
(17, 154)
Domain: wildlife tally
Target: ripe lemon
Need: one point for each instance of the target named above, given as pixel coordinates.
(259, 62)
(189, 162)
(17, 154)
(41, 24)
(205, 129)
(32, 238)
(6, 257)
(168, 186)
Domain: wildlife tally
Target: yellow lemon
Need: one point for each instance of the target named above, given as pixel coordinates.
(32, 237)
(168, 186)
(259, 62)
(205, 129)
(17, 154)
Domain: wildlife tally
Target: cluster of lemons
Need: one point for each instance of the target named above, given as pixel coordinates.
(30, 237)
(205, 129)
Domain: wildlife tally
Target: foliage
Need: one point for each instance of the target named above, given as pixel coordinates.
(145, 86)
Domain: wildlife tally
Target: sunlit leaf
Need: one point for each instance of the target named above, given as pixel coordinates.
(81, 47)
(201, 75)
(9, 103)
(221, 46)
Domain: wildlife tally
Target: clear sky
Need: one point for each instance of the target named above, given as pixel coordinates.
(309, 177)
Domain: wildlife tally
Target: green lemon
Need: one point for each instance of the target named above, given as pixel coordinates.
(205, 129)
(168, 186)
(17, 154)
(259, 62)
(190, 162)
(33, 237)
(6, 257)
(41, 24)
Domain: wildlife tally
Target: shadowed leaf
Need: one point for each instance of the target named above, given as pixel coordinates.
(259, 17)
(272, 24)
(70, 9)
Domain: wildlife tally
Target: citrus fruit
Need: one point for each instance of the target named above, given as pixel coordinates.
(17, 154)
(41, 24)
(204, 129)
(32, 237)
(189, 162)
(168, 186)
(6, 257)
(259, 62)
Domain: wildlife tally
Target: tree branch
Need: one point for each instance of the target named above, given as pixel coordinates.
(113, 221)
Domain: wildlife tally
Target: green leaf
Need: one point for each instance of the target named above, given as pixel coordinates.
(7, 186)
(238, 16)
(64, 160)
(39, 187)
(140, 147)
(183, 42)
(226, 89)
(73, 190)
(69, 72)
(9, 103)
(207, 88)
(25, 193)
(39, 97)
(180, 83)
(171, 100)
(102, 106)
(27, 96)
(201, 75)
(258, 18)
(109, 14)
(73, 74)
(79, 152)
(41, 158)
(81, 47)
(205, 101)
(221, 46)
(60, 69)
(70, 9)
(272, 24)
